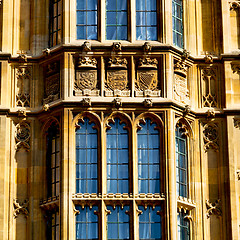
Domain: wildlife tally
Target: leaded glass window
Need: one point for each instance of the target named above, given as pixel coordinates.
(150, 223)
(116, 20)
(52, 225)
(117, 158)
(53, 161)
(86, 157)
(87, 223)
(55, 22)
(177, 22)
(118, 223)
(181, 163)
(183, 227)
(148, 141)
(146, 19)
(87, 19)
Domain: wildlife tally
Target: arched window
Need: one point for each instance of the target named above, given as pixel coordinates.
(181, 161)
(183, 226)
(53, 161)
(86, 157)
(148, 141)
(117, 158)
(177, 22)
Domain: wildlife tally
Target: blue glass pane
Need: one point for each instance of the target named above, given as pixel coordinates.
(156, 231)
(113, 217)
(154, 217)
(91, 18)
(121, 127)
(81, 4)
(93, 231)
(122, 33)
(154, 186)
(92, 4)
(91, 155)
(151, 33)
(154, 156)
(81, 186)
(140, 18)
(143, 156)
(140, 4)
(183, 176)
(142, 141)
(144, 231)
(81, 17)
(111, 18)
(123, 171)
(111, 171)
(111, 156)
(91, 216)
(81, 231)
(122, 18)
(154, 171)
(112, 186)
(143, 171)
(152, 127)
(92, 171)
(123, 186)
(123, 217)
(112, 231)
(121, 4)
(151, 5)
(182, 146)
(123, 141)
(111, 5)
(92, 186)
(82, 171)
(82, 216)
(82, 141)
(123, 156)
(92, 141)
(80, 155)
(111, 141)
(143, 186)
(154, 141)
(123, 231)
(151, 18)
(144, 217)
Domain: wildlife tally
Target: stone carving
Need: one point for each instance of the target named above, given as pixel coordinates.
(213, 208)
(147, 47)
(22, 56)
(210, 136)
(148, 103)
(210, 113)
(117, 46)
(236, 123)
(20, 208)
(187, 110)
(46, 51)
(117, 78)
(235, 67)
(86, 102)
(181, 92)
(52, 83)
(209, 87)
(147, 77)
(45, 107)
(86, 77)
(238, 175)
(234, 5)
(22, 136)
(208, 58)
(86, 46)
(185, 54)
(1, 1)
(23, 76)
(117, 102)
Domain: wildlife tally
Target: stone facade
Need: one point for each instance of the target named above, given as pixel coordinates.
(197, 90)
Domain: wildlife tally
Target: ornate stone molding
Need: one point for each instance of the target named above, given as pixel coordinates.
(147, 47)
(86, 46)
(147, 62)
(22, 136)
(234, 5)
(87, 62)
(213, 208)
(235, 67)
(148, 103)
(23, 78)
(20, 208)
(210, 136)
(117, 46)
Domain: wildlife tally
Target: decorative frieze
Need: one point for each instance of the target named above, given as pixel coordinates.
(147, 78)
(22, 136)
(213, 208)
(209, 83)
(20, 208)
(116, 83)
(23, 78)
(52, 83)
(181, 92)
(86, 77)
(210, 136)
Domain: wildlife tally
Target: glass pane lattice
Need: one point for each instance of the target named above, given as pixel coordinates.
(177, 22)
(148, 158)
(86, 158)
(183, 227)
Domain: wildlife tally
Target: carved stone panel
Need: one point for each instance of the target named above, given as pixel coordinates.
(22, 136)
(116, 83)
(210, 136)
(52, 83)
(86, 77)
(23, 77)
(209, 84)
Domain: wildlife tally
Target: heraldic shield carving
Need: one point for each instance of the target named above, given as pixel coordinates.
(86, 80)
(147, 79)
(117, 80)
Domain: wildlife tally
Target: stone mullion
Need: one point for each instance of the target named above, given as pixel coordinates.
(171, 197)
(167, 21)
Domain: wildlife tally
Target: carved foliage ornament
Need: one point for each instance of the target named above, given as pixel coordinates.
(236, 123)
(234, 5)
(209, 86)
(20, 208)
(235, 67)
(23, 77)
(52, 83)
(213, 208)
(210, 137)
(22, 136)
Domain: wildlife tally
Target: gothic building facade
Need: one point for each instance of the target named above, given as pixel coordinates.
(119, 119)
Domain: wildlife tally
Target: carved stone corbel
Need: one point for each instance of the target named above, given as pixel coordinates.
(20, 208)
(86, 102)
(213, 208)
(234, 5)
(148, 103)
(235, 67)
(117, 102)
(86, 46)
(117, 46)
(238, 175)
(208, 59)
(236, 122)
(147, 47)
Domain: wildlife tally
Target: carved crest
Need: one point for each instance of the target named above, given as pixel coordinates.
(181, 92)
(22, 136)
(210, 136)
(117, 79)
(146, 79)
(86, 79)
